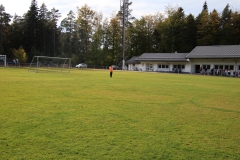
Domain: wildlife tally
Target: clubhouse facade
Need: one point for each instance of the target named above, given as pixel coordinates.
(201, 59)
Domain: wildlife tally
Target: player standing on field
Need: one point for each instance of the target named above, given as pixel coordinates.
(111, 71)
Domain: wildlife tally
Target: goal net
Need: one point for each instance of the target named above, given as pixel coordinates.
(49, 64)
(3, 61)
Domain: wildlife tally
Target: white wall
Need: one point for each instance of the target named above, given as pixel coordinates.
(213, 62)
(153, 66)
(189, 66)
(132, 67)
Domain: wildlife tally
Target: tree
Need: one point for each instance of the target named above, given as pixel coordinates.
(5, 18)
(20, 54)
(113, 38)
(214, 28)
(168, 29)
(179, 31)
(235, 21)
(139, 39)
(31, 29)
(226, 31)
(191, 33)
(97, 40)
(202, 22)
(156, 35)
(68, 29)
(84, 25)
(17, 32)
(43, 13)
(54, 15)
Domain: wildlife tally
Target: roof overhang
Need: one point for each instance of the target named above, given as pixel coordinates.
(163, 60)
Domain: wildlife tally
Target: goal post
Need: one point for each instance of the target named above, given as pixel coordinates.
(3, 61)
(49, 64)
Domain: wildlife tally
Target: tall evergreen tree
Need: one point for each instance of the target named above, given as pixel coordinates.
(226, 31)
(191, 33)
(235, 21)
(214, 28)
(43, 12)
(202, 23)
(156, 35)
(17, 36)
(31, 30)
(179, 31)
(54, 15)
(5, 19)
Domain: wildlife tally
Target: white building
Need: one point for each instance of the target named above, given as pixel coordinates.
(200, 59)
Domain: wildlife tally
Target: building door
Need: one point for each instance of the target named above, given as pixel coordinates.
(149, 67)
(197, 69)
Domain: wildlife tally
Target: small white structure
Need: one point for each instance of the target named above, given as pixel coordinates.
(133, 65)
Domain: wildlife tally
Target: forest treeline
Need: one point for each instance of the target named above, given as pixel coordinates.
(85, 36)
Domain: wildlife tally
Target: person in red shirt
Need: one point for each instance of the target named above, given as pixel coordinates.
(111, 71)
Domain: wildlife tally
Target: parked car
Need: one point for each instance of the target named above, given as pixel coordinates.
(81, 65)
(115, 67)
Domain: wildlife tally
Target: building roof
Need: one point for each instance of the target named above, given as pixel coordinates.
(221, 51)
(168, 57)
(132, 61)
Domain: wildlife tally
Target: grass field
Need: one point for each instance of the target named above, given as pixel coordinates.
(134, 115)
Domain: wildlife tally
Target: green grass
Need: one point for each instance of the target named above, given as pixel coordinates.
(134, 115)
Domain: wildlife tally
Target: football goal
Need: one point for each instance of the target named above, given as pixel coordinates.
(3, 61)
(49, 64)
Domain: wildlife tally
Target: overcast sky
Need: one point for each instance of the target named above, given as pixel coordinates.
(139, 7)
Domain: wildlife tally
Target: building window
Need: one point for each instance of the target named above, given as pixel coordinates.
(179, 66)
(229, 67)
(163, 66)
(206, 66)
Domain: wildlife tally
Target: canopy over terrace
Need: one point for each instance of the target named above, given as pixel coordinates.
(163, 57)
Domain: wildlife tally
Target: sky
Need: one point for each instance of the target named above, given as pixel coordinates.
(107, 7)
